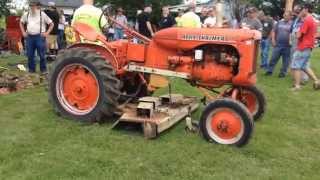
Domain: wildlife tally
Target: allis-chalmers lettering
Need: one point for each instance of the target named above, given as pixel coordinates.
(190, 37)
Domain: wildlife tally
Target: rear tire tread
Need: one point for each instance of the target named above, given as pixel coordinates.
(106, 73)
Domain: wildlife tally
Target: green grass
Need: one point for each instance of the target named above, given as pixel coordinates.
(37, 144)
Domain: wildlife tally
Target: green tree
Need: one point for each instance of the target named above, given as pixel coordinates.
(4, 8)
(131, 7)
(271, 7)
(277, 7)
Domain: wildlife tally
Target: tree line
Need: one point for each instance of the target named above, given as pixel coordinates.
(274, 7)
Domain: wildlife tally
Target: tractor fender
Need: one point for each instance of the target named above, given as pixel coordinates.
(101, 50)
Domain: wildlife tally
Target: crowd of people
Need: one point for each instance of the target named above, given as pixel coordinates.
(292, 37)
(147, 27)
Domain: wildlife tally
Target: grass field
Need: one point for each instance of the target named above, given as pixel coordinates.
(36, 144)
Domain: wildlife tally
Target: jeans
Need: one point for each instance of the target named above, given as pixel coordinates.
(265, 47)
(277, 52)
(36, 42)
(118, 34)
(60, 39)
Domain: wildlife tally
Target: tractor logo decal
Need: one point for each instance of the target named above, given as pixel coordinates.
(189, 37)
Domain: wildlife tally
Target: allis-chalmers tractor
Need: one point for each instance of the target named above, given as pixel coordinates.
(93, 78)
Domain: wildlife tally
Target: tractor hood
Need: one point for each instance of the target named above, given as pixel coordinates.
(187, 38)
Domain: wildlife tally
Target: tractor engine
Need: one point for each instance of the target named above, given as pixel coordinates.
(209, 57)
(208, 65)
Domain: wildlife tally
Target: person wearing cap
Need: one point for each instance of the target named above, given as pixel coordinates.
(144, 22)
(90, 15)
(251, 21)
(33, 25)
(306, 42)
(122, 19)
(52, 41)
(190, 19)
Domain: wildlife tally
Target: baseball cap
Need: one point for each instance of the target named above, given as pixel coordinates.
(34, 3)
(51, 4)
(148, 5)
(252, 10)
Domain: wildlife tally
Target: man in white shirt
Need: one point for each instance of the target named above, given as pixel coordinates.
(33, 25)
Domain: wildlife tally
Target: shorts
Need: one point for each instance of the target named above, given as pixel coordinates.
(52, 42)
(301, 59)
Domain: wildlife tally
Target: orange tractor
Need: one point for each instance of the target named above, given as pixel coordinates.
(92, 78)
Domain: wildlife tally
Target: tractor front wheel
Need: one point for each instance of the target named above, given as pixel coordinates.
(254, 100)
(226, 121)
(83, 86)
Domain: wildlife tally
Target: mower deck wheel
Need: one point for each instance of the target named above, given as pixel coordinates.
(149, 130)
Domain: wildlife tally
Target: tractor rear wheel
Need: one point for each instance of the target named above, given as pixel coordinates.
(83, 86)
(226, 121)
(254, 100)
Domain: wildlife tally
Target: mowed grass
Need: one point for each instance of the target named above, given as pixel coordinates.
(37, 144)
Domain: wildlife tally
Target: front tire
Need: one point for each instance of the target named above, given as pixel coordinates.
(254, 100)
(83, 86)
(228, 122)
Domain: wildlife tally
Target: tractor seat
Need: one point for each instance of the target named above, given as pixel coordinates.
(88, 33)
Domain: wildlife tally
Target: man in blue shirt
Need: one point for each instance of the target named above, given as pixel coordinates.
(281, 43)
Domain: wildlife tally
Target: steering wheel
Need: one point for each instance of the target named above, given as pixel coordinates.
(105, 10)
